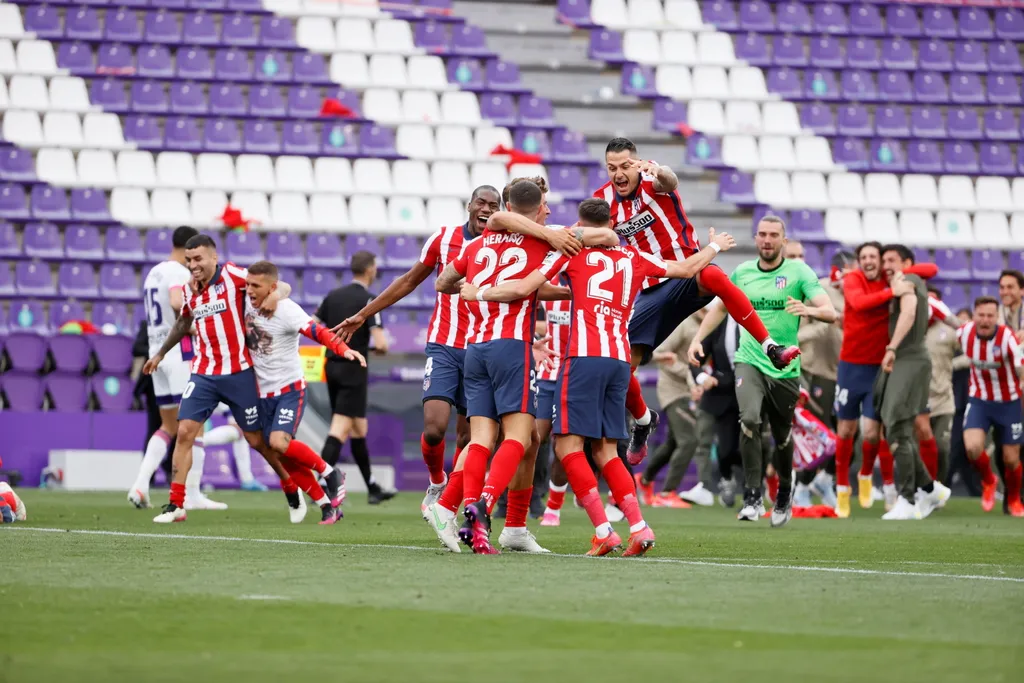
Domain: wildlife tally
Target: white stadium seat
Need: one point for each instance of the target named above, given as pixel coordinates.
(29, 92)
(772, 188)
(388, 71)
(130, 205)
(992, 228)
(1017, 227)
(372, 176)
(610, 13)
(780, 118)
(641, 46)
(287, 8)
(383, 105)
(420, 106)
(646, 13)
(406, 215)
(217, 171)
(491, 173)
(333, 175)
(489, 138)
(350, 69)
(5, 98)
(443, 211)
(451, 178)
(69, 93)
(710, 83)
(10, 22)
(740, 151)
(289, 210)
(23, 128)
(956, 193)
(747, 83)
(743, 117)
(843, 225)
(684, 14)
(917, 226)
(526, 171)
(355, 35)
(62, 129)
(368, 213)
(103, 130)
(954, 228)
(809, 190)
(994, 193)
(328, 212)
(315, 34)
(255, 172)
(427, 71)
(846, 190)
(706, 116)
(171, 207)
(457, 143)
(8, 62)
(920, 192)
(882, 191)
(715, 48)
(96, 166)
(879, 225)
(393, 35)
(178, 169)
(416, 141)
(776, 151)
(137, 167)
(411, 176)
(56, 165)
(460, 107)
(674, 81)
(207, 206)
(293, 174)
(1018, 194)
(814, 154)
(253, 205)
(678, 47)
(36, 57)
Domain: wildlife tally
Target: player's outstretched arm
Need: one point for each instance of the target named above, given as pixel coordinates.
(513, 290)
(180, 329)
(715, 316)
(665, 179)
(448, 282)
(566, 242)
(685, 269)
(319, 332)
(402, 287)
(597, 237)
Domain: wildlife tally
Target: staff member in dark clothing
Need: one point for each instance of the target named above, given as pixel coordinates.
(348, 383)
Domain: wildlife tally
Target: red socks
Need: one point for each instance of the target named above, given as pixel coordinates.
(1013, 481)
(635, 403)
(503, 468)
(844, 453)
(451, 497)
(556, 498)
(736, 302)
(623, 490)
(929, 451)
(983, 466)
(178, 495)
(518, 507)
(869, 452)
(305, 456)
(584, 483)
(303, 478)
(773, 487)
(473, 472)
(433, 458)
(289, 485)
(885, 462)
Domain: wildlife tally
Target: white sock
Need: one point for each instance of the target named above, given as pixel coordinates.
(156, 451)
(767, 343)
(639, 526)
(644, 419)
(603, 530)
(222, 436)
(243, 460)
(324, 472)
(195, 475)
(323, 501)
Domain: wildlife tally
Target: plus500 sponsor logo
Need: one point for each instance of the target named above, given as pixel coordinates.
(635, 224)
(212, 308)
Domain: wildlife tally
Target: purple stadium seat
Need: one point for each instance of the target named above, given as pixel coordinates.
(71, 352)
(194, 63)
(891, 122)
(68, 393)
(468, 39)
(113, 394)
(29, 316)
(77, 58)
(638, 80)
(668, 115)
(858, 86)
(969, 56)
(786, 83)
(574, 12)
(239, 30)
(189, 98)
(721, 14)
(13, 202)
(218, 470)
(316, 284)
(285, 249)
(986, 264)
(820, 84)
(853, 120)
(49, 203)
(807, 225)
(200, 29)
(277, 32)
(243, 248)
(533, 142)
(819, 118)
(737, 187)
(83, 24)
(138, 317)
(401, 252)
(935, 55)
(166, 4)
(503, 76)
(964, 124)
(220, 135)
(27, 351)
(362, 242)
(431, 35)
(1001, 124)
(866, 20)
(791, 17)
(826, 53)
(1016, 260)
(596, 178)
(938, 22)
(997, 159)
(377, 141)
(1002, 89)
(930, 87)
(6, 290)
(952, 264)
(953, 295)
(965, 88)
(260, 137)
(125, 244)
(227, 100)
(927, 122)
(118, 281)
(76, 279)
(830, 18)
(863, 53)
(703, 150)
(266, 100)
(466, 72)
(756, 15)
(42, 241)
(893, 86)
(149, 97)
(898, 53)
(323, 250)
(349, 98)
(960, 157)
(753, 49)
(337, 139)
(537, 112)
(109, 94)
(561, 214)
(567, 181)
(64, 312)
(567, 145)
(1004, 57)
(232, 64)
(157, 244)
(923, 156)
(299, 138)
(606, 46)
(89, 205)
(303, 102)
(122, 26)
(975, 23)
(814, 258)
(17, 165)
(162, 27)
(111, 313)
(9, 247)
(789, 50)
(500, 109)
(24, 392)
(852, 153)
(113, 352)
(1009, 24)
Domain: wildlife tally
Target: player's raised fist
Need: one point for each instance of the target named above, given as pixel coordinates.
(724, 240)
(150, 367)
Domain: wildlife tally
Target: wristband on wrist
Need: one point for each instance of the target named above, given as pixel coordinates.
(480, 292)
(701, 378)
(714, 245)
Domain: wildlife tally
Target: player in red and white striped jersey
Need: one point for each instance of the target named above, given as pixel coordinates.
(446, 338)
(647, 211)
(214, 304)
(595, 370)
(997, 362)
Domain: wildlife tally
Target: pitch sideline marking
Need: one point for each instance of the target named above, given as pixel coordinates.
(658, 560)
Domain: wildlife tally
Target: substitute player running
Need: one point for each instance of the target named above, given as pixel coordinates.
(997, 362)
(783, 291)
(590, 393)
(901, 389)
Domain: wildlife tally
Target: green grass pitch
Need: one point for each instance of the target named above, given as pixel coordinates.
(243, 595)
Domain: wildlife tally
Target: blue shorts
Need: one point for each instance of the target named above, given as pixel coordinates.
(1003, 417)
(282, 413)
(443, 376)
(545, 399)
(500, 379)
(591, 398)
(658, 311)
(855, 396)
(204, 392)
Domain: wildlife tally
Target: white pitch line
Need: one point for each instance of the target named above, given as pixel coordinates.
(657, 560)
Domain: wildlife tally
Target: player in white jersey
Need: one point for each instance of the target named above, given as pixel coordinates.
(163, 296)
(273, 342)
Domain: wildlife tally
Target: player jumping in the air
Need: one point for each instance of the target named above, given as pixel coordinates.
(647, 210)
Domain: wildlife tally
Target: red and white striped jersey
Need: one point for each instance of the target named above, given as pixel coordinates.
(653, 222)
(558, 315)
(937, 311)
(448, 322)
(604, 283)
(219, 314)
(994, 363)
(492, 259)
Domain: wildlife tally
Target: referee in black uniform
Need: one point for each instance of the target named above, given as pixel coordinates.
(347, 383)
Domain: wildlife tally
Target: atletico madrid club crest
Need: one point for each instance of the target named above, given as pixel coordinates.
(426, 383)
(780, 282)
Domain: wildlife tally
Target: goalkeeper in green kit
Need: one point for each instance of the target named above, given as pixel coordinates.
(782, 292)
